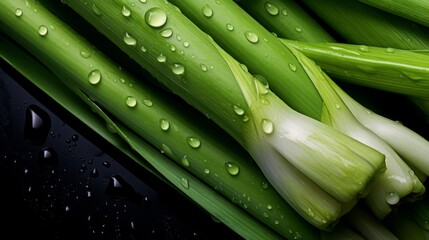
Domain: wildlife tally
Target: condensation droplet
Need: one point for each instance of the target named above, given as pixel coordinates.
(186, 44)
(143, 49)
(161, 58)
(238, 110)
(168, 32)
(96, 10)
(284, 12)
(85, 54)
(271, 9)
(292, 67)
(267, 126)
(131, 101)
(156, 17)
(194, 142)
(18, 12)
(178, 69)
(203, 67)
(298, 29)
(185, 161)
(184, 182)
(147, 102)
(206, 171)
(125, 12)
(94, 77)
(392, 198)
(363, 48)
(264, 185)
(129, 40)
(207, 11)
(251, 37)
(43, 30)
(232, 168)
(390, 50)
(229, 27)
(164, 124)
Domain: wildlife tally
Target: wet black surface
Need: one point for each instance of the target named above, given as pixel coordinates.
(59, 180)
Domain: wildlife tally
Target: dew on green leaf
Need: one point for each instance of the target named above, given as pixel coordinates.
(94, 77)
(129, 40)
(156, 17)
(232, 168)
(251, 37)
(18, 12)
(131, 101)
(271, 9)
(193, 142)
(207, 11)
(43, 30)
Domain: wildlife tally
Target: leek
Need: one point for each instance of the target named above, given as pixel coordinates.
(176, 131)
(280, 140)
(415, 10)
(286, 19)
(359, 23)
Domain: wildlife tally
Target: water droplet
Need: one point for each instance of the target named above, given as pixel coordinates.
(96, 10)
(94, 77)
(194, 142)
(164, 124)
(203, 67)
(184, 182)
(232, 168)
(264, 185)
(363, 48)
(207, 11)
(269, 207)
(129, 40)
(37, 125)
(284, 12)
(178, 69)
(390, 50)
(392, 198)
(85, 54)
(131, 101)
(337, 105)
(298, 29)
(94, 173)
(48, 158)
(186, 44)
(271, 9)
(167, 150)
(125, 12)
(156, 17)
(251, 37)
(43, 30)
(229, 27)
(168, 32)
(143, 49)
(18, 12)
(161, 58)
(118, 189)
(106, 164)
(147, 102)
(238, 110)
(206, 171)
(143, 1)
(267, 126)
(292, 67)
(185, 161)
(173, 48)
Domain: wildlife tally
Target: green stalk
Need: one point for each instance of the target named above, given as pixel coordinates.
(167, 124)
(286, 19)
(286, 145)
(396, 182)
(257, 48)
(415, 10)
(363, 24)
(387, 69)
